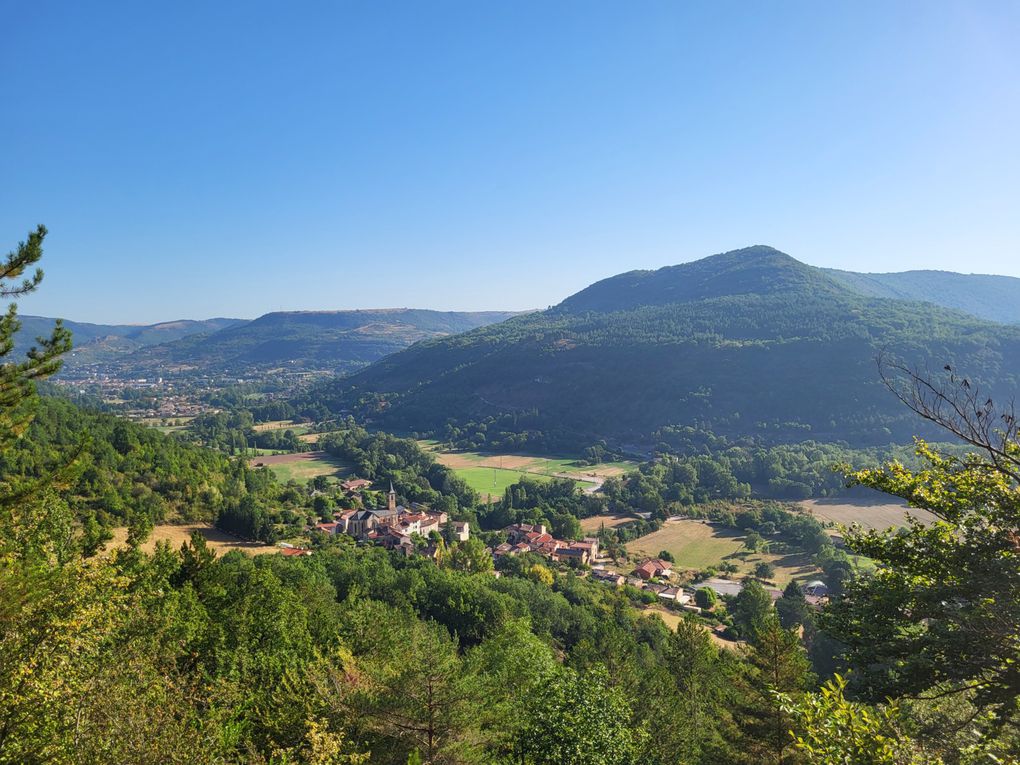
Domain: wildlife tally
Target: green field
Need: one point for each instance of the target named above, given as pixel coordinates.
(492, 481)
(491, 473)
(303, 466)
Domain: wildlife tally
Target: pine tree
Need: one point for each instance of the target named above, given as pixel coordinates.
(793, 608)
(17, 378)
(777, 664)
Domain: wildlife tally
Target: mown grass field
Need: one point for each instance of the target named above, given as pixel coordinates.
(696, 546)
(303, 466)
(492, 481)
(480, 468)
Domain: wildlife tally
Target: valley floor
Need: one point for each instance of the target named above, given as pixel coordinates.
(490, 474)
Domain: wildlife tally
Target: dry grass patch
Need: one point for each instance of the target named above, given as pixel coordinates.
(274, 425)
(596, 522)
(870, 514)
(697, 545)
(507, 462)
(672, 619)
(176, 535)
(694, 544)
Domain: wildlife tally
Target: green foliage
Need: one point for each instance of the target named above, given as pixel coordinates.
(792, 609)
(941, 607)
(383, 458)
(705, 598)
(989, 297)
(470, 556)
(579, 720)
(751, 608)
(17, 378)
(764, 570)
(356, 654)
(121, 469)
(777, 663)
(830, 730)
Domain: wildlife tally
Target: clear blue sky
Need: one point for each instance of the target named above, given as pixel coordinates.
(196, 159)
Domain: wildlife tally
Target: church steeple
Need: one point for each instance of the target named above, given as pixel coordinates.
(392, 503)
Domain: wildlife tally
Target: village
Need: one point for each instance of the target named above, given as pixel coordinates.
(417, 530)
(407, 530)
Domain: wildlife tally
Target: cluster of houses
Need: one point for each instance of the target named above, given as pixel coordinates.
(534, 538)
(653, 575)
(642, 578)
(394, 526)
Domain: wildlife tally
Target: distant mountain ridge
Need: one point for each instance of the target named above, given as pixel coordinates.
(98, 342)
(335, 341)
(745, 343)
(996, 298)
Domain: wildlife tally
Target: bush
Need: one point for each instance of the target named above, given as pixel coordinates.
(705, 598)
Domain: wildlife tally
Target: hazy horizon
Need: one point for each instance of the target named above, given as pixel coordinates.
(492, 309)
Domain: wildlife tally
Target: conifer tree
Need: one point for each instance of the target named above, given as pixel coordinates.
(17, 377)
(777, 664)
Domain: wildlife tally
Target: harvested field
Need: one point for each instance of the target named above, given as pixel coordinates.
(595, 522)
(878, 514)
(274, 425)
(176, 535)
(694, 544)
(507, 461)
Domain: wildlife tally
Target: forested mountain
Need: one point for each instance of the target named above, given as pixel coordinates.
(100, 342)
(337, 341)
(747, 343)
(996, 298)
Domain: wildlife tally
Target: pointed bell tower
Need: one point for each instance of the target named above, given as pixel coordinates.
(392, 503)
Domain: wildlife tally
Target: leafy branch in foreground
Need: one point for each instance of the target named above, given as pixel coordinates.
(942, 608)
(835, 731)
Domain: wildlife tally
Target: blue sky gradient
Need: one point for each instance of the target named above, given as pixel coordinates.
(197, 159)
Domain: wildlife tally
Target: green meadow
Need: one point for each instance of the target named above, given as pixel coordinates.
(492, 481)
